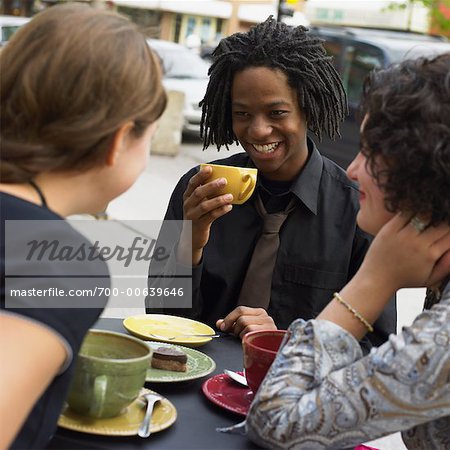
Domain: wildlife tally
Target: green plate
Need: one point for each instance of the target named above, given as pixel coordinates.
(198, 365)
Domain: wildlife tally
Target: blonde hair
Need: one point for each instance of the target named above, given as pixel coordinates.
(68, 80)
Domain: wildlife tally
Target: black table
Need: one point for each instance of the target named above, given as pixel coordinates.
(198, 418)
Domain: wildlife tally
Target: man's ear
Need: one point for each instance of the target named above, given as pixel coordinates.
(118, 143)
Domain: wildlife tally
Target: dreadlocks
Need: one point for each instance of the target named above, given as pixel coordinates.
(273, 44)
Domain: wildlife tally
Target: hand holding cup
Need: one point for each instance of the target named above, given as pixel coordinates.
(241, 181)
(208, 197)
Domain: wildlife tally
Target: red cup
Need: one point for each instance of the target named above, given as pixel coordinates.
(260, 349)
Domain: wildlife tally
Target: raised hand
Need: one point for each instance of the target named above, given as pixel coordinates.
(202, 204)
(401, 256)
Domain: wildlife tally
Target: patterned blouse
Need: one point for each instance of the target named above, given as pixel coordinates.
(322, 393)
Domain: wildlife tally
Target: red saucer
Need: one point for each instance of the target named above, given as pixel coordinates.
(228, 394)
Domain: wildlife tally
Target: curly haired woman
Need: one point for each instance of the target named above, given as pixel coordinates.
(321, 392)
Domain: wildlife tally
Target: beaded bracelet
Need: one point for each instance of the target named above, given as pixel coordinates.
(353, 311)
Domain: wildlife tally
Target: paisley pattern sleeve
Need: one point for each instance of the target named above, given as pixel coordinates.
(321, 393)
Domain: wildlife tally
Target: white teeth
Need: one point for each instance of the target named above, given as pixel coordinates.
(266, 148)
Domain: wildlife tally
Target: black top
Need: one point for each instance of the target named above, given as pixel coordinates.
(320, 250)
(61, 314)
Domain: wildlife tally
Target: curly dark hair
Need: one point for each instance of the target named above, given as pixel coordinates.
(273, 44)
(408, 129)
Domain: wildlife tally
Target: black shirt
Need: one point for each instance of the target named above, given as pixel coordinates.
(321, 248)
(69, 323)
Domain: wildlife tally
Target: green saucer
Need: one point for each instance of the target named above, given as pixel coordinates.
(198, 365)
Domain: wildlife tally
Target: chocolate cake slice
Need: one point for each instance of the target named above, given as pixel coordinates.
(169, 358)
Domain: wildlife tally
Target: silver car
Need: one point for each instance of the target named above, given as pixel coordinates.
(184, 71)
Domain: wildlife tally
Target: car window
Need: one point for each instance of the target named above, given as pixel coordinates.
(358, 62)
(8, 31)
(334, 49)
(181, 63)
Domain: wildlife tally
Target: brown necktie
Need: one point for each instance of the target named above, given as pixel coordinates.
(257, 285)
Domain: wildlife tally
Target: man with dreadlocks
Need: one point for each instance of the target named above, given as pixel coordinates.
(267, 88)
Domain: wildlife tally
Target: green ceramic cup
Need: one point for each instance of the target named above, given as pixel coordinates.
(109, 373)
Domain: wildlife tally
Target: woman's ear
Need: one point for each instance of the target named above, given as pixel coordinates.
(118, 143)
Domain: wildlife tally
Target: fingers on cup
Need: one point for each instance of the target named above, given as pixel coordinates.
(203, 194)
(197, 180)
(216, 205)
(209, 190)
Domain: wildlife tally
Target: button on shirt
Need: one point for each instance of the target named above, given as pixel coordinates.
(321, 248)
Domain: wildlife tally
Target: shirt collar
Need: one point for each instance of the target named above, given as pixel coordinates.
(306, 186)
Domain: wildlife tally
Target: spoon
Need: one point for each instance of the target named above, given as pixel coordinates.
(240, 379)
(144, 429)
(181, 336)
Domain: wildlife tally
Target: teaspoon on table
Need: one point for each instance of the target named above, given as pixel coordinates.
(181, 336)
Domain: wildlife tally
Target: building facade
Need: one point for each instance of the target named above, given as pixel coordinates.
(202, 21)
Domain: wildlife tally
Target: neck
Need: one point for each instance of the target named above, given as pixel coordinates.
(65, 193)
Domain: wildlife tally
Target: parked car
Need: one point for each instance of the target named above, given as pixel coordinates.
(184, 71)
(9, 25)
(206, 51)
(356, 52)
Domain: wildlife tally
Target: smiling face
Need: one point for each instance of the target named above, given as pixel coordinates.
(268, 122)
(372, 214)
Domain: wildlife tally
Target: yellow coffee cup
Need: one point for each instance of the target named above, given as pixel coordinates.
(241, 181)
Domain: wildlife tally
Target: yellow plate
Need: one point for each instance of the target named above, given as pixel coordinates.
(168, 326)
(127, 424)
